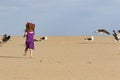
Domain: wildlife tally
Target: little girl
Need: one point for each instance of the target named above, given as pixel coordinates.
(29, 34)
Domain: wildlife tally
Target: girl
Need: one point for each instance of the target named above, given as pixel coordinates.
(29, 34)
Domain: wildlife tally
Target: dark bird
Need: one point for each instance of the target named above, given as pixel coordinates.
(5, 38)
(118, 31)
(41, 39)
(115, 36)
(89, 38)
(103, 31)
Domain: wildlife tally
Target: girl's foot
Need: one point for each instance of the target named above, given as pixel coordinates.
(24, 54)
(30, 56)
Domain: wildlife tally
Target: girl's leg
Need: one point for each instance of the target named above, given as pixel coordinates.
(26, 49)
(31, 53)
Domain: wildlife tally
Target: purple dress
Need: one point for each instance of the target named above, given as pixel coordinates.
(30, 40)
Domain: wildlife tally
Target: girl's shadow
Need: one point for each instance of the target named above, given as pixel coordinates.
(10, 57)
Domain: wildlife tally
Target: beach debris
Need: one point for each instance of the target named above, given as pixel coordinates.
(89, 38)
(89, 62)
(102, 31)
(58, 62)
(115, 35)
(41, 60)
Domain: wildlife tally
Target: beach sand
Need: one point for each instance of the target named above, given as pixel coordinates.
(61, 58)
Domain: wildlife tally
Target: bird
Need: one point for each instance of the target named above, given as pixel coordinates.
(6, 38)
(118, 31)
(115, 35)
(89, 38)
(103, 31)
(41, 39)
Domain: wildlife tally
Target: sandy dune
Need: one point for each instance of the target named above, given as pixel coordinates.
(61, 58)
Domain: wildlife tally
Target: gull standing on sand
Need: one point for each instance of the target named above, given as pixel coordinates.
(5, 38)
(89, 38)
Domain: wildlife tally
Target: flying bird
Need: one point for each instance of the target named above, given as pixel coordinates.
(41, 39)
(118, 31)
(103, 31)
(116, 37)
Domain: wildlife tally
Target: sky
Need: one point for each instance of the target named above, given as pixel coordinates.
(59, 17)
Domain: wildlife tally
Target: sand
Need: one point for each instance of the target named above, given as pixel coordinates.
(61, 58)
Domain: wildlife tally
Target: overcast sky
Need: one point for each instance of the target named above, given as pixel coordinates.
(59, 17)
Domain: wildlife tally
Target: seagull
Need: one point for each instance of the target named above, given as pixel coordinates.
(41, 39)
(118, 31)
(89, 38)
(103, 31)
(5, 38)
(116, 37)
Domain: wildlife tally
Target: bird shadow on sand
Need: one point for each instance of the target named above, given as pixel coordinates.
(12, 57)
